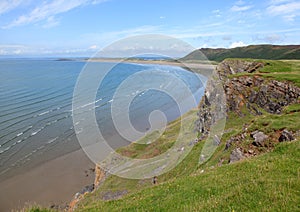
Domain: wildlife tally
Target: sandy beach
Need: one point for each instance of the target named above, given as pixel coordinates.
(204, 67)
(52, 183)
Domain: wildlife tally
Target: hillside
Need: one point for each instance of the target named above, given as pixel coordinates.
(271, 52)
(256, 163)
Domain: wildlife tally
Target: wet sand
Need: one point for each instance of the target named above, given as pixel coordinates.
(52, 183)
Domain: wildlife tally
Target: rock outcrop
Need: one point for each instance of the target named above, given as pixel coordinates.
(212, 107)
(254, 92)
(230, 67)
(257, 93)
(246, 91)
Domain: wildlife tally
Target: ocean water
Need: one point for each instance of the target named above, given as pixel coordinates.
(36, 107)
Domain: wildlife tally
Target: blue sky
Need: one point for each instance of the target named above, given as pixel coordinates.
(81, 27)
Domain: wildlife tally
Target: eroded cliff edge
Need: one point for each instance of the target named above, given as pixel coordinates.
(254, 96)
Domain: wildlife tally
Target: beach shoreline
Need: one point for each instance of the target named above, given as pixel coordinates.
(55, 182)
(201, 67)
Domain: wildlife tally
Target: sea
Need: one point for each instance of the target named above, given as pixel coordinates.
(36, 122)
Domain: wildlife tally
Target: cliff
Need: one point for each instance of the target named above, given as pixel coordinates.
(257, 100)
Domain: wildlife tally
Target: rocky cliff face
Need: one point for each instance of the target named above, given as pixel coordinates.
(253, 93)
(245, 91)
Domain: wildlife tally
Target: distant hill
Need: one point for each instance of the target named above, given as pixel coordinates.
(273, 52)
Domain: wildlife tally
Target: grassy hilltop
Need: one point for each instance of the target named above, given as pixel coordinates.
(271, 52)
(266, 179)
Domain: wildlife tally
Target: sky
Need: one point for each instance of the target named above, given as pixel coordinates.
(83, 27)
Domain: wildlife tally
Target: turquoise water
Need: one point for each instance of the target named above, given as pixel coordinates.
(36, 102)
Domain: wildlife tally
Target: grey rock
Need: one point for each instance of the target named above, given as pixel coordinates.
(253, 133)
(286, 136)
(236, 155)
(259, 138)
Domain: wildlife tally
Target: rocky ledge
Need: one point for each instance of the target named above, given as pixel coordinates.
(246, 92)
(254, 91)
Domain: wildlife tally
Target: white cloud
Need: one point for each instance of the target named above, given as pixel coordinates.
(237, 44)
(93, 47)
(12, 49)
(240, 6)
(6, 6)
(287, 9)
(49, 9)
(237, 8)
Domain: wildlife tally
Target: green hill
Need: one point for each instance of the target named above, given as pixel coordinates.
(272, 52)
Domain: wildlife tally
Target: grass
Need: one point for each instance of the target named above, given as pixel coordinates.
(292, 108)
(271, 123)
(248, 185)
(284, 70)
(268, 182)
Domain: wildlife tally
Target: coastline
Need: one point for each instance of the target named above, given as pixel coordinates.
(204, 67)
(55, 183)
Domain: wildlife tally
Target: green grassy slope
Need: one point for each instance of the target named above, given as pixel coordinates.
(253, 51)
(268, 182)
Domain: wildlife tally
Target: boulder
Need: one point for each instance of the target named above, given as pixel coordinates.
(286, 136)
(236, 155)
(259, 138)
